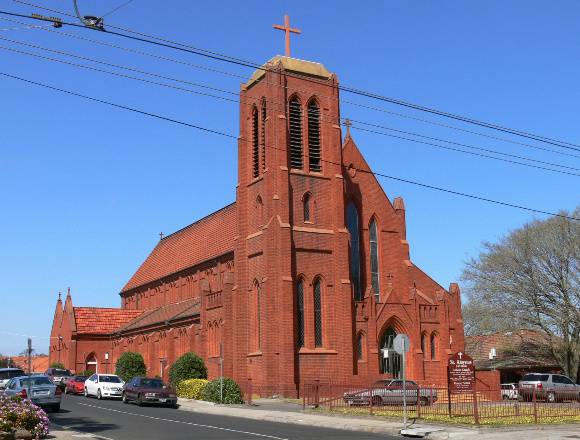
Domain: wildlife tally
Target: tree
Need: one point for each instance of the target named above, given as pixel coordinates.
(130, 365)
(530, 279)
(188, 366)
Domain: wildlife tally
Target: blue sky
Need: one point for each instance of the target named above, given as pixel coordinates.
(85, 189)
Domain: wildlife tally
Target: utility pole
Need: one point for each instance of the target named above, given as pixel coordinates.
(29, 367)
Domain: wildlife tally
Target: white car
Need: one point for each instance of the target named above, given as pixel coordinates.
(104, 385)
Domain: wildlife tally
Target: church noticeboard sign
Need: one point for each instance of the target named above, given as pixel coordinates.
(461, 373)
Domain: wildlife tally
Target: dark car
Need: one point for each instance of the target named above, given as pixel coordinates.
(145, 390)
(75, 385)
(8, 373)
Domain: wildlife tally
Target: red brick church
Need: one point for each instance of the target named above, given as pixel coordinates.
(306, 276)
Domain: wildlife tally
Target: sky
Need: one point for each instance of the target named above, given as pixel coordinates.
(85, 189)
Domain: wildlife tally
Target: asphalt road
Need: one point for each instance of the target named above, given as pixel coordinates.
(113, 420)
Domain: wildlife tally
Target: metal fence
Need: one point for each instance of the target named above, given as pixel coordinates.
(517, 405)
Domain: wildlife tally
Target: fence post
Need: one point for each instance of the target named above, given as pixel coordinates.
(371, 400)
(475, 407)
(304, 391)
(250, 391)
(534, 400)
(316, 393)
(418, 402)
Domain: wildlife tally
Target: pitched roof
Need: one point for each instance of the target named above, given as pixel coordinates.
(517, 349)
(102, 321)
(167, 313)
(39, 363)
(207, 238)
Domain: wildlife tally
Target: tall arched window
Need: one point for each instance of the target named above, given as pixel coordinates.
(259, 213)
(314, 153)
(255, 316)
(374, 253)
(263, 134)
(306, 202)
(317, 313)
(360, 347)
(300, 313)
(433, 343)
(295, 135)
(352, 224)
(255, 144)
(423, 343)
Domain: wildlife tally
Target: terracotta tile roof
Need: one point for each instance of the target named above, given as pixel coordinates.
(39, 363)
(102, 321)
(517, 349)
(206, 238)
(167, 313)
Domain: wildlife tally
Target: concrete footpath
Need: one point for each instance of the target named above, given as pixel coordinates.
(274, 410)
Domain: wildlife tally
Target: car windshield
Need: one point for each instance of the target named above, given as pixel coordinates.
(381, 383)
(535, 378)
(80, 379)
(35, 381)
(59, 372)
(110, 379)
(152, 383)
(8, 374)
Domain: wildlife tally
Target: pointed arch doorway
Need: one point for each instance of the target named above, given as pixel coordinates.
(391, 364)
(91, 363)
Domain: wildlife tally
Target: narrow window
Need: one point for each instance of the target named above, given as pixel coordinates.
(423, 342)
(433, 346)
(314, 159)
(300, 313)
(359, 347)
(317, 314)
(374, 251)
(263, 136)
(255, 145)
(255, 315)
(295, 124)
(259, 211)
(306, 202)
(353, 228)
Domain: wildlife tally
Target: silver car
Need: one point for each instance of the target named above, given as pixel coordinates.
(548, 387)
(390, 392)
(42, 391)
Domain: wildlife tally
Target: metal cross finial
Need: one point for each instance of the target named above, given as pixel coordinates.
(161, 236)
(347, 124)
(287, 30)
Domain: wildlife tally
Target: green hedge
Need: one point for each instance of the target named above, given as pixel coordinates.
(188, 366)
(232, 394)
(59, 365)
(191, 388)
(130, 365)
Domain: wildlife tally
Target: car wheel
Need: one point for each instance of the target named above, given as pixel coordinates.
(550, 397)
(56, 408)
(377, 401)
(139, 400)
(66, 390)
(424, 401)
(99, 396)
(124, 398)
(85, 392)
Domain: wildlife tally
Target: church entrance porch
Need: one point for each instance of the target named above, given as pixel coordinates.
(390, 360)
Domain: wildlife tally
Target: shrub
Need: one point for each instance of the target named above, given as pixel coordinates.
(191, 388)
(130, 365)
(16, 413)
(59, 365)
(231, 392)
(86, 373)
(188, 366)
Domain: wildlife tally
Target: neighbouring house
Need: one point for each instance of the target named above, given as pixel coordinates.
(512, 354)
(39, 363)
(306, 276)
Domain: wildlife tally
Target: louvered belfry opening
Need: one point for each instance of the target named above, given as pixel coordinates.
(263, 135)
(295, 141)
(314, 154)
(255, 145)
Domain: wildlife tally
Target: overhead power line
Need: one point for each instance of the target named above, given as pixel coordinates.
(243, 77)
(220, 133)
(225, 58)
(429, 144)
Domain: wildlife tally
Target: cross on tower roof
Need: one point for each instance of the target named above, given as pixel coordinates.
(287, 30)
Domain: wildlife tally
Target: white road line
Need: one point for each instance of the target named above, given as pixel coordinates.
(186, 423)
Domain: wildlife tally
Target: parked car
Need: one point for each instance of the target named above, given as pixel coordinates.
(390, 392)
(104, 385)
(509, 391)
(58, 375)
(75, 385)
(43, 392)
(548, 387)
(8, 373)
(145, 390)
